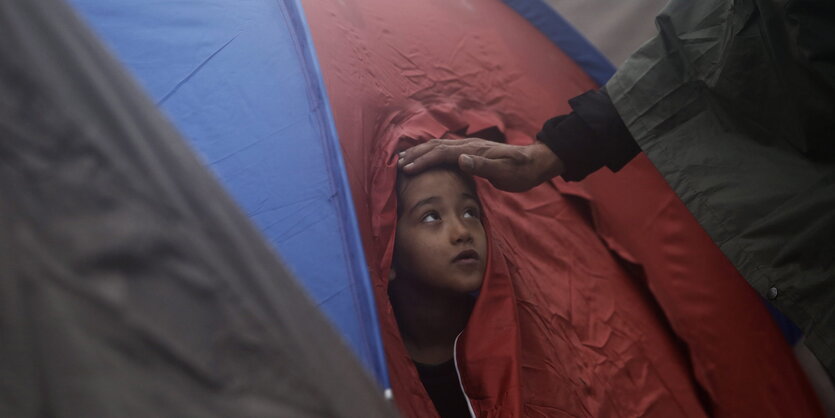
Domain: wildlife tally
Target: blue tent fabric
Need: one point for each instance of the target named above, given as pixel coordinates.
(565, 36)
(240, 81)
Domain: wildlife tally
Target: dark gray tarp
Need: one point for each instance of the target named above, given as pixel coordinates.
(130, 284)
(734, 102)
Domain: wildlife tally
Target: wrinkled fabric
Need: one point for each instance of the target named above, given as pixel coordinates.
(131, 285)
(734, 102)
(598, 298)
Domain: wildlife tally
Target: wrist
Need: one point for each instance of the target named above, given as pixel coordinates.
(546, 163)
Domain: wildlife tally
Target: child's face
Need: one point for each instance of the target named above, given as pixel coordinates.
(440, 241)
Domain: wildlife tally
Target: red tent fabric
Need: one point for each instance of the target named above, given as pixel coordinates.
(603, 298)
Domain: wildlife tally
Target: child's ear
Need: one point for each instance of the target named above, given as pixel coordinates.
(392, 274)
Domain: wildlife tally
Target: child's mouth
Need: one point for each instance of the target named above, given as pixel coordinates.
(466, 257)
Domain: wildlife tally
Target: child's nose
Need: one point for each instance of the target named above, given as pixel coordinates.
(460, 233)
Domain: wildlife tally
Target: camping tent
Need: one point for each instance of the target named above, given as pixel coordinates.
(266, 131)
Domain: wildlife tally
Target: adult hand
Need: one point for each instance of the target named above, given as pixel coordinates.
(514, 168)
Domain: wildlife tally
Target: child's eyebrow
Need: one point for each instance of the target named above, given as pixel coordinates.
(422, 202)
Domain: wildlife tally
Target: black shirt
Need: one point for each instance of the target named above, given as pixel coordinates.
(590, 137)
(442, 385)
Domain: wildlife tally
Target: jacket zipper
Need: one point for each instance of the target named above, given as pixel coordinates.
(458, 373)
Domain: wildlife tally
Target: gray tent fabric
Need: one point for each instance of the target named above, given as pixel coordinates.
(734, 102)
(616, 28)
(130, 283)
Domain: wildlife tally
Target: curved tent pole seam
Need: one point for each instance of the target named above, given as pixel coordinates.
(360, 282)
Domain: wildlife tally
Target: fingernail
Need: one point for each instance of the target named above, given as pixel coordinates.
(402, 154)
(467, 162)
(408, 165)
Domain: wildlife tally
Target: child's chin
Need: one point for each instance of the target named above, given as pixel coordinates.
(470, 285)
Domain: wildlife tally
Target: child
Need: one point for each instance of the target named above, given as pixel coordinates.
(440, 255)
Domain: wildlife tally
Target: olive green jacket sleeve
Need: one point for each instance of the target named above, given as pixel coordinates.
(734, 102)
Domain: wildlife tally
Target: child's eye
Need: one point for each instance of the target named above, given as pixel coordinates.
(471, 213)
(430, 217)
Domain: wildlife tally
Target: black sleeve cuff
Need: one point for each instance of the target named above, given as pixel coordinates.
(590, 137)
